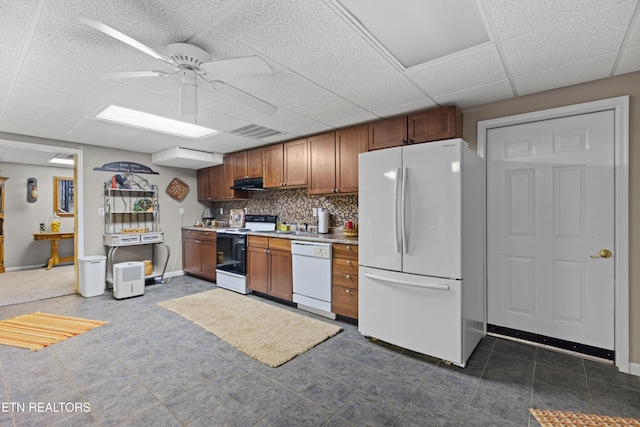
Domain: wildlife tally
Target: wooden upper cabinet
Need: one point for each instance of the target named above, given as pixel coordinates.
(247, 164)
(434, 125)
(431, 125)
(204, 184)
(273, 156)
(285, 165)
(295, 163)
(387, 133)
(322, 164)
(333, 160)
(349, 144)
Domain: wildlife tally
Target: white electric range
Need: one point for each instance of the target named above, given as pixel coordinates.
(232, 242)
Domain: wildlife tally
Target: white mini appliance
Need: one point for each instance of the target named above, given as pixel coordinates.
(231, 271)
(421, 248)
(128, 279)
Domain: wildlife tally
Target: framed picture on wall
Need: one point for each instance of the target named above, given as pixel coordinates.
(236, 218)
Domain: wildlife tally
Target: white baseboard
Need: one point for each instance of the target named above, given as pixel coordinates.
(634, 369)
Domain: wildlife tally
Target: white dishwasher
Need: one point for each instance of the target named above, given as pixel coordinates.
(311, 265)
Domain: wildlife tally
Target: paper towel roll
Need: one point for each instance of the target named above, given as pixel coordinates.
(323, 221)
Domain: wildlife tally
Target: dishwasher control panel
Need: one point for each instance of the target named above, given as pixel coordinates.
(321, 252)
(311, 249)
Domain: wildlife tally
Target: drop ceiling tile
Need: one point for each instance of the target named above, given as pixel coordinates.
(237, 142)
(219, 121)
(288, 31)
(202, 9)
(84, 49)
(472, 68)
(347, 68)
(31, 127)
(60, 101)
(332, 110)
(514, 18)
(153, 23)
(588, 69)
(588, 35)
(62, 79)
(14, 27)
(630, 60)
(288, 90)
(634, 37)
(148, 102)
(292, 123)
(221, 45)
(477, 95)
(44, 115)
(386, 94)
(233, 108)
(407, 108)
(5, 88)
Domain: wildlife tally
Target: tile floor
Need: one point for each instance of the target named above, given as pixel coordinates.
(151, 367)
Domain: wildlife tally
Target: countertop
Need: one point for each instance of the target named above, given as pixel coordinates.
(313, 237)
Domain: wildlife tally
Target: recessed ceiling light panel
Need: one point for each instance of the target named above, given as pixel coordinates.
(126, 116)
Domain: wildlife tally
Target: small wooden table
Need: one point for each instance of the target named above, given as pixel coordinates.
(54, 238)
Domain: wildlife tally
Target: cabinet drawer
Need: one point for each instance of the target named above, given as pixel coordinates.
(347, 280)
(345, 251)
(344, 301)
(258, 242)
(199, 235)
(345, 273)
(280, 244)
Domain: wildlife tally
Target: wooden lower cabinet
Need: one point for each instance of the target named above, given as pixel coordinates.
(344, 289)
(199, 253)
(269, 266)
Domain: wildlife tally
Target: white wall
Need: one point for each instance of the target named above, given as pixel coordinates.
(22, 218)
(92, 198)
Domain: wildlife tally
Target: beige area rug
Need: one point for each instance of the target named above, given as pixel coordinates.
(577, 419)
(269, 334)
(22, 286)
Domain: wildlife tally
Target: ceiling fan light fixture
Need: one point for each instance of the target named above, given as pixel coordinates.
(129, 117)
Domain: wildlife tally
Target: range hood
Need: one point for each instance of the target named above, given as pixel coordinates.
(251, 184)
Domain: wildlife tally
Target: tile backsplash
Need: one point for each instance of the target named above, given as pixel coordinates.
(294, 206)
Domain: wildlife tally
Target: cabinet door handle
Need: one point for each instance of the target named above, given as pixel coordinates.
(348, 291)
(348, 262)
(348, 277)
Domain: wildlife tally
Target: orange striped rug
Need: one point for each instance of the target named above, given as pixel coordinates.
(37, 330)
(576, 419)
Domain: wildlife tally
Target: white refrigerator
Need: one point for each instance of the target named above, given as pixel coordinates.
(421, 248)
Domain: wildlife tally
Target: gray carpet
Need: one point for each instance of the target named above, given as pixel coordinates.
(22, 286)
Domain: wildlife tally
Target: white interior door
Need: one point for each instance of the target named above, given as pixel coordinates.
(550, 211)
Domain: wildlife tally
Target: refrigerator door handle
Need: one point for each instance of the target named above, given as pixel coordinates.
(398, 187)
(403, 202)
(437, 287)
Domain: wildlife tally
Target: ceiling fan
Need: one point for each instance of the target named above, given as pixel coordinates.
(192, 63)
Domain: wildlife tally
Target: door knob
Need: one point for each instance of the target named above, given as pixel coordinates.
(604, 253)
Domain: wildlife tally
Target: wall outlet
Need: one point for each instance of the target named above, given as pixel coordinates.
(181, 211)
(100, 211)
(221, 211)
(314, 211)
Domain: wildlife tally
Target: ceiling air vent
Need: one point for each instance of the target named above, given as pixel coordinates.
(257, 132)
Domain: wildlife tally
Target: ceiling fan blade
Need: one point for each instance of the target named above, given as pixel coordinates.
(127, 74)
(244, 97)
(245, 65)
(126, 39)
